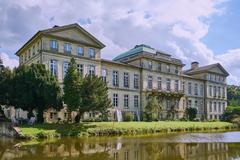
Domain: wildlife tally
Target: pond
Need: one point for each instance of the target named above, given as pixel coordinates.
(176, 146)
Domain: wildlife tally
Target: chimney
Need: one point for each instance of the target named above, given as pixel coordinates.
(194, 65)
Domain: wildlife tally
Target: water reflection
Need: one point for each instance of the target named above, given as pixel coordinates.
(142, 148)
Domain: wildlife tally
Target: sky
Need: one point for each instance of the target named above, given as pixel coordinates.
(207, 31)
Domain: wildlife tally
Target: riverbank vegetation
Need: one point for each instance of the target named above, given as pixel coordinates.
(120, 128)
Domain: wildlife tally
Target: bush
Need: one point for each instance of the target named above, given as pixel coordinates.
(128, 116)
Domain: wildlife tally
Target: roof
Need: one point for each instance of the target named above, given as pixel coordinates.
(134, 51)
(205, 68)
(57, 28)
(147, 52)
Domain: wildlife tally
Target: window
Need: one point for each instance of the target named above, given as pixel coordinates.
(91, 53)
(223, 92)
(223, 107)
(195, 89)
(80, 51)
(168, 84)
(149, 64)
(136, 103)
(65, 68)
(115, 78)
(219, 107)
(53, 45)
(29, 53)
(80, 69)
(91, 70)
(201, 90)
(183, 104)
(53, 67)
(210, 91)
(215, 91)
(104, 75)
(159, 67)
(115, 100)
(189, 88)
(25, 57)
(67, 48)
(126, 79)
(219, 91)
(176, 85)
(136, 81)
(38, 46)
(149, 82)
(189, 103)
(168, 105)
(33, 49)
(115, 155)
(215, 106)
(183, 87)
(168, 68)
(126, 155)
(196, 104)
(159, 83)
(210, 106)
(125, 101)
(176, 70)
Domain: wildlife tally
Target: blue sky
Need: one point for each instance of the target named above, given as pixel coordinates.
(206, 31)
(223, 33)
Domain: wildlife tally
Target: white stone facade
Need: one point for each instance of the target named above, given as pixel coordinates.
(132, 74)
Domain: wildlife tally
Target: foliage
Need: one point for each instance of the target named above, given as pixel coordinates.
(87, 94)
(154, 107)
(120, 128)
(94, 95)
(5, 86)
(233, 95)
(35, 88)
(232, 114)
(128, 116)
(72, 83)
(191, 113)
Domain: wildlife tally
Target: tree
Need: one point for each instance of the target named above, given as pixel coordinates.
(191, 113)
(94, 95)
(72, 84)
(151, 108)
(5, 86)
(36, 88)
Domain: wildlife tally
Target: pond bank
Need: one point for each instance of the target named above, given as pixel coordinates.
(120, 128)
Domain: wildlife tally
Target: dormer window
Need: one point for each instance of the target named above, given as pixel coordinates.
(67, 48)
(176, 70)
(53, 45)
(80, 51)
(91, 53)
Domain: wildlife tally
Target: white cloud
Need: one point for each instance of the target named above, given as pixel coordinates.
(173, 26)
(7, 61)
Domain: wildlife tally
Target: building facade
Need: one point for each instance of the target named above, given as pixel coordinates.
(131, 76)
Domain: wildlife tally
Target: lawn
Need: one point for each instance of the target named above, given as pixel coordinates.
(120, 128)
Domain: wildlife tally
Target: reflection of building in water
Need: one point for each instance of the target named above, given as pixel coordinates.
(127, 150)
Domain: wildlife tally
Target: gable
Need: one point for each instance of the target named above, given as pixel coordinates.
(217, 69)
(74, 32)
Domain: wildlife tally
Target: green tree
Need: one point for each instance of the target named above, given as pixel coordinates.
(94, 95)
(72, 84)
(5, 86)
(191, 113)
(36, 88)
(151, 109)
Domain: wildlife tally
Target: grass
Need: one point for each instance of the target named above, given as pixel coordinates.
(120, 128)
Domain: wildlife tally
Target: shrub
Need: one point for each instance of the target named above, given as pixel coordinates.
(128, 116)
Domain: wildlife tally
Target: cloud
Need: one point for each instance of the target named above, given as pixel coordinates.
(8, 62)
(176, 27)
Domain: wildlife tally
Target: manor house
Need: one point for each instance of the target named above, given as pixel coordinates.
(131, 76)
